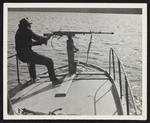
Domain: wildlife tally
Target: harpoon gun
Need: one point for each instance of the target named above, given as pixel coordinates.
(73, 33)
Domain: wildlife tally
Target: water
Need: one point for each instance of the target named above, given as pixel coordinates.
(126, 41)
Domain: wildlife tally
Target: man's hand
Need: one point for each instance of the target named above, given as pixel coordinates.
(47, 38)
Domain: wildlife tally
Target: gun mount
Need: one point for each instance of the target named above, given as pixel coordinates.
(70, 45)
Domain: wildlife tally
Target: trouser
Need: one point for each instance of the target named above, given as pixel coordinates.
(41, 60)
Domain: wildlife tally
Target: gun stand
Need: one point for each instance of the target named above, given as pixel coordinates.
(70, 50)
(72, 68)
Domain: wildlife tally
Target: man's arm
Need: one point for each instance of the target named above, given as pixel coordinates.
(35, 43)
(40, 39)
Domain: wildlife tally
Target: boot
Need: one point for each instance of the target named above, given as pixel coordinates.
(56, 82)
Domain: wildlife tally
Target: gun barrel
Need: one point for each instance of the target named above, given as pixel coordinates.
(73, 33)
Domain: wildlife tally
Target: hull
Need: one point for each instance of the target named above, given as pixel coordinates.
(90, 91)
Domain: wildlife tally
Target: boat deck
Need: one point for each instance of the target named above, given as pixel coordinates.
(90, 93)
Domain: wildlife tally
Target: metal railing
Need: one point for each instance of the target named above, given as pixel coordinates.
(124, 84)
(17, 64)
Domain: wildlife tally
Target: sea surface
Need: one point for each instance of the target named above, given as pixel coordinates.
(126, 41)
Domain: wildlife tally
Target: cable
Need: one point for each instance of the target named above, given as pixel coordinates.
(52, 44)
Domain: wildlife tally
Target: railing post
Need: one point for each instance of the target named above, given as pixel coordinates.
(17, 62)
(127, 98)
(120, 78)
(113, 63)
(110, 61)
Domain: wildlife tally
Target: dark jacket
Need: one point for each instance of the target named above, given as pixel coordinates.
(24, 43)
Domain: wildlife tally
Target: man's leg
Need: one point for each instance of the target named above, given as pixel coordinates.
(32, 70)
(42, 60)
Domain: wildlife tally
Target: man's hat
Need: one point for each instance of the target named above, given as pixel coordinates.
(24, 21)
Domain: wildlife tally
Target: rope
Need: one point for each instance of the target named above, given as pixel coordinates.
(89, 49)
(89, 46)
(52, 44)
(52, 41)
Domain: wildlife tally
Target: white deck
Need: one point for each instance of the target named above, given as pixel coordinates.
(96, 96)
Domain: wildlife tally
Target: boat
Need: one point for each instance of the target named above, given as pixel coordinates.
(87, 89)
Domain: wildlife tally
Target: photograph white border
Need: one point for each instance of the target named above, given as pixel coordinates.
(143, 6)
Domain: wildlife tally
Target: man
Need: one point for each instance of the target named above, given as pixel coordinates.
(24, 43)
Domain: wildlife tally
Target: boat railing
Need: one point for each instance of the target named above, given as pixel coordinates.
(116, 70)
(17, 65)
